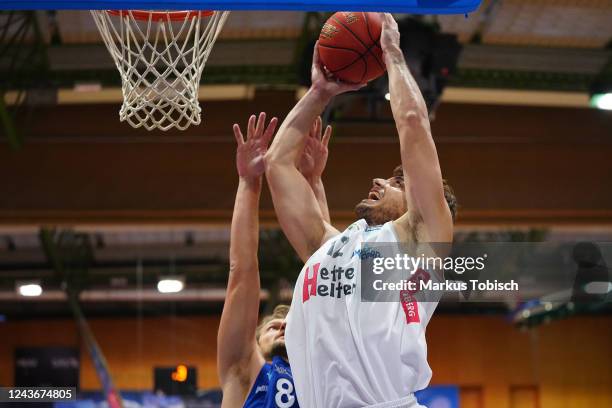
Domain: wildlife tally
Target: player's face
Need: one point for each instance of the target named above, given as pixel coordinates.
(386, 201)
(272, 339)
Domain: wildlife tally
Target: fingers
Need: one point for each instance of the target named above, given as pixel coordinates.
(388, 23)
(267, 136)
(251, 127)
(328, 74)
(327, 135)
(316, 63)
(393, 22)
(313, 129)
(383, 19)
(307, 150)
(388, 19)
(309, 146)
(318, 124)
(238, 134)
(315, 55)
(259, 128)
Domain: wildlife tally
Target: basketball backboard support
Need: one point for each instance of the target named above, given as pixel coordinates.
(161, 47)
(394, 6)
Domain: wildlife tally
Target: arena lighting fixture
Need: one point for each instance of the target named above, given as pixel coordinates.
(602, 101)
(171, 284)
(29, 289)
(598, 288)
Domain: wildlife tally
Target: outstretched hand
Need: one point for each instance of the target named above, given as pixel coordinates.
(314, 158)
(324, 81)
(390, 36)
(250, 153)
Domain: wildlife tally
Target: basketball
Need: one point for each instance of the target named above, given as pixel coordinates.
(349, 47)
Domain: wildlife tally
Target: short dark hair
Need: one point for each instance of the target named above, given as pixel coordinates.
(449, 194)
(279, 312)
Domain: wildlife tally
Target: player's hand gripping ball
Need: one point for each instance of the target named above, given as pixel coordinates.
(349, 47)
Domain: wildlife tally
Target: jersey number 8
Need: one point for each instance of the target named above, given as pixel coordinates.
(284, 391)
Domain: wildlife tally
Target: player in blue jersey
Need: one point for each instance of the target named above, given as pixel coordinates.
(252, 359)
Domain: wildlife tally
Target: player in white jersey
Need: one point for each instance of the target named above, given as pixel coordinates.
(346, 353)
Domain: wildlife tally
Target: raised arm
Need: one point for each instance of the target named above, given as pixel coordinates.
(295, 203)
(237, 353)
(313, 162)
(422, 174)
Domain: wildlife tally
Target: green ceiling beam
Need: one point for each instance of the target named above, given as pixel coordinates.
(550, 81)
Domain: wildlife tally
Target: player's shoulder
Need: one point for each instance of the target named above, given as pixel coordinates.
(281, 365)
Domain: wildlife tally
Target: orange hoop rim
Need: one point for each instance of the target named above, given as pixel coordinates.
(145, 15)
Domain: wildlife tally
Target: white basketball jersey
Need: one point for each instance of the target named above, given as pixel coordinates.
(345, 353)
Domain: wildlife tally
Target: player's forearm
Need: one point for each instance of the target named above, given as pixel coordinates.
(235, 338)
(297, 209)
(244, 237)
(291, 137)
(407, 103)
(316, 183)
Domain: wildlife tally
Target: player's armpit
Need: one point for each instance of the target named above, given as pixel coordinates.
(423, 181)
(237, 384)
(413, 227)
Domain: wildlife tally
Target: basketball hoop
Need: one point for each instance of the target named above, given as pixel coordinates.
(160, 56)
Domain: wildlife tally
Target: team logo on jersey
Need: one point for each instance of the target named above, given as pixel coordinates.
(366, 253)
(408, 300)
(281, 370)
(330, 283)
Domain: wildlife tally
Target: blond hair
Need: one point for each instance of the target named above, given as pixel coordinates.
(279, 312)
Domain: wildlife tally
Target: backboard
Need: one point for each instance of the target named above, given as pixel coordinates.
(394, 6)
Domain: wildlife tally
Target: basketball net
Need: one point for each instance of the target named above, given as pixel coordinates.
(160, 56)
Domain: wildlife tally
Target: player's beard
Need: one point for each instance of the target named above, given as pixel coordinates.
(279, 349)
(375, 215)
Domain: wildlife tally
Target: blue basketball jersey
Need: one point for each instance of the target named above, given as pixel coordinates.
(273, 387)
